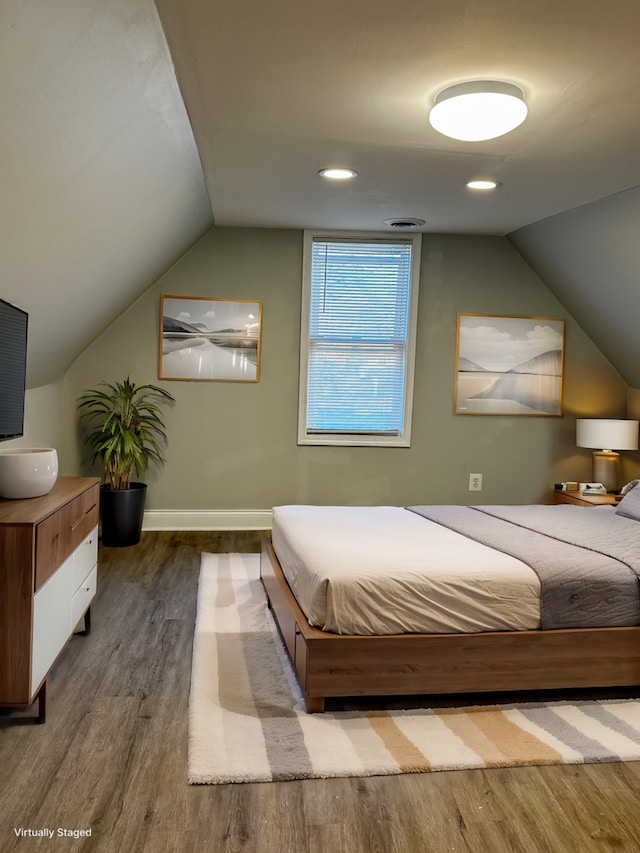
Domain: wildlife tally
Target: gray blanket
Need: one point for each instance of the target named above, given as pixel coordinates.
(587, 559)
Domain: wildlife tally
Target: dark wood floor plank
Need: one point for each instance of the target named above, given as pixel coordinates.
(112, 756)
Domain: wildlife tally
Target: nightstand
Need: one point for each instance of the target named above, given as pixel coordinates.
(578, 499)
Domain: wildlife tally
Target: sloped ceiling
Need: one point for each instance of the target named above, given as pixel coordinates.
(102, 187)
(591, 257)
(102, 182)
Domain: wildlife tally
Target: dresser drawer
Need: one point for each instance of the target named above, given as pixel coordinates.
(85, 558)
(51, 622)
(84, 596)
(60, 534)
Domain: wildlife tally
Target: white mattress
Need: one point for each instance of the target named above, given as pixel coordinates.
(386, 570)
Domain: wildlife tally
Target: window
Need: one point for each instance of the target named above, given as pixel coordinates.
(359, 312)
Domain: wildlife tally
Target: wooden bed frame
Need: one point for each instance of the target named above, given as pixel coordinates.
(332, 665)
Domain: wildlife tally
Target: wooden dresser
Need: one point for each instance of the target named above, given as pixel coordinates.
(48, 575)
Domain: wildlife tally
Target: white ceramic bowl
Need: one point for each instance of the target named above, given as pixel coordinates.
(27, 472)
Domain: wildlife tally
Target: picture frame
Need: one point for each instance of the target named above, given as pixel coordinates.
(509, 365)
(211, 339)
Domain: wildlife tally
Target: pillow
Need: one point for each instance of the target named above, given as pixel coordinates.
(629, 506)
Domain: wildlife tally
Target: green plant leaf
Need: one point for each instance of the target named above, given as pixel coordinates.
(124, 428)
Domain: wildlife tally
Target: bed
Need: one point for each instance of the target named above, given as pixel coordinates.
(390, 601)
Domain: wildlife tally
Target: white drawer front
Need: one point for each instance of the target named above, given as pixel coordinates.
(84, 558)
(51, 621)
(83, 597)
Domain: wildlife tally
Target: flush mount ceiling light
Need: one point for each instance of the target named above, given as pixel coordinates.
(483, 184)
(479, 110)
(338, 174)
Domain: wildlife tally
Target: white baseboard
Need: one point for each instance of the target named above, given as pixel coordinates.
(209, 519)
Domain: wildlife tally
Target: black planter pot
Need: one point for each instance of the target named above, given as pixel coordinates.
(121, 514)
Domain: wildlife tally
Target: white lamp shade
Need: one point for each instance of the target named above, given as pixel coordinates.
(478, 110)
(604, 434)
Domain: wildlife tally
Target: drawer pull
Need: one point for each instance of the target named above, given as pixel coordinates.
(79, 520)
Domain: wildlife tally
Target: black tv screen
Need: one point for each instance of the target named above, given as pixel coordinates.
(13, 369)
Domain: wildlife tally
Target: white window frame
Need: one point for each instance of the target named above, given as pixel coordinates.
(403, 439)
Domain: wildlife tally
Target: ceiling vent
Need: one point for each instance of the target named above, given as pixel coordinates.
(404, 224)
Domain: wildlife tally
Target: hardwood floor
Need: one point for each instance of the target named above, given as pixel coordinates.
(112, 755)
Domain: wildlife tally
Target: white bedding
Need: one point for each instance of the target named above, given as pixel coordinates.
(386, 570)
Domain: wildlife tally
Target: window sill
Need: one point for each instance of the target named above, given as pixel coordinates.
(354, 441)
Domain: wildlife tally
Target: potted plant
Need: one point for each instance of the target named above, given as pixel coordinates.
(125, 431)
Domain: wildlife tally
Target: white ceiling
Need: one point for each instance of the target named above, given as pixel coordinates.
(277, 90)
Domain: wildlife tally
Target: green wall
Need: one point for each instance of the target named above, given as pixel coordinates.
(233, 445)
(47, 417)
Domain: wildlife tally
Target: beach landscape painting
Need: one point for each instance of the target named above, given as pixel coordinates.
(215, 339)
(509, 365)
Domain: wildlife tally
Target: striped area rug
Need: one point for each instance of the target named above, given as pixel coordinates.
(247, 721)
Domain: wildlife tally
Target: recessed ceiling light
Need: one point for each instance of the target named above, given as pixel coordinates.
(483, 185)
(338, 174)
(478, 110)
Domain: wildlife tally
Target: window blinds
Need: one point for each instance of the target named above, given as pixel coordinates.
(358, 326)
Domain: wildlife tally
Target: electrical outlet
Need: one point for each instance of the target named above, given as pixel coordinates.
(475, 482)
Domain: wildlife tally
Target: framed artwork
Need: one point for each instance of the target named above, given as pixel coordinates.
(215, 339)
(509, 365)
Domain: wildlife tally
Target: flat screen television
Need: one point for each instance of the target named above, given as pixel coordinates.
(13, 369)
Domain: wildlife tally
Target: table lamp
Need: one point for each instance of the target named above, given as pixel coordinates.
(606, 437)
